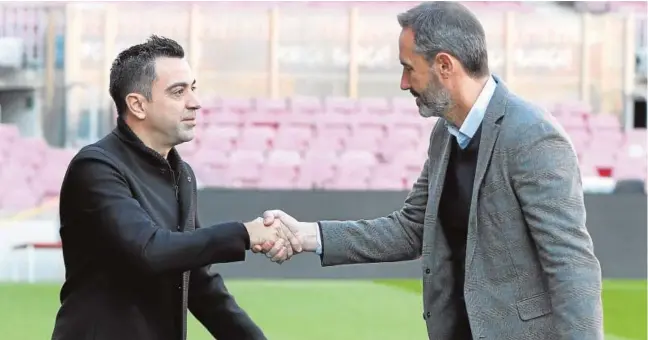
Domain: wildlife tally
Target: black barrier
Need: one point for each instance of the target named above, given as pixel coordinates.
(617, 223)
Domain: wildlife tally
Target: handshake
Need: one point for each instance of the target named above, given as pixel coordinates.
(279, 236)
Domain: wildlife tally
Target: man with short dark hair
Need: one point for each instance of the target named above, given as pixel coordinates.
(136, 257)
(497, 213)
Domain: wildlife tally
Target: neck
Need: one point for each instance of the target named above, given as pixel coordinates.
(149, 139)
(465, 97)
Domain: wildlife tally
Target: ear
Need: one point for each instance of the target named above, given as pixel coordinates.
(445, 65)
(136, 103)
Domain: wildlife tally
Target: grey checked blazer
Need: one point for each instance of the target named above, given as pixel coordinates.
(531, 273)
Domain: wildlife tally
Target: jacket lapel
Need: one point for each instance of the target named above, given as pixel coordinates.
(490, 131)
(439, 158)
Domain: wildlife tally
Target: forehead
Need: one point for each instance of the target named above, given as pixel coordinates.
(406, 44)
(172, 70)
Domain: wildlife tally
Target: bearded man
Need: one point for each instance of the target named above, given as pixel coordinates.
(497, 214)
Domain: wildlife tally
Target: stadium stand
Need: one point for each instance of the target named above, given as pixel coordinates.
(305, 143)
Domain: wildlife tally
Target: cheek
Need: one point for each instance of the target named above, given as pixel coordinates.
(418, 84)
(171, 110)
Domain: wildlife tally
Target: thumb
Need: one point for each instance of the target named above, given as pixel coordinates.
(270, 215)
(268, 218)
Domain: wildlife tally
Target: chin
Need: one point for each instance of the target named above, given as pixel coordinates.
(426, 112)
(186, 136)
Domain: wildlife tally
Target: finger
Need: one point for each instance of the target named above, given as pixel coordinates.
(268, 218)
(276, 249)
(289, 252)
(257, 248)
(275, 214)
(280, 256)
(292, 239)
(266, 246)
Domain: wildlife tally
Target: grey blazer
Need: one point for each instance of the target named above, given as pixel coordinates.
(531, 273)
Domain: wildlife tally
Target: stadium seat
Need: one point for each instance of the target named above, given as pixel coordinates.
(353, 171)
(293, 138)
(572, 122)
(211, 176)
(245, 168)
(333, 128)
(612, 138)
(388, 177)
(187, 149)
(325, 144)
(366, 138)
(411, 159)
(271, 106)
(399, 139)
(305, 105)
(223, 119)
(220, 138)
(263, 119)
(637, 136)
(603, 162)
(375, 106)
(237, 105)
(280, 170)
(255, 138)
(341, 105)
(351, 181)
(8, 132)
(626, 170)
(16, 198)
(602, 122)
(317, 169)
(405, 106)
(211, 157)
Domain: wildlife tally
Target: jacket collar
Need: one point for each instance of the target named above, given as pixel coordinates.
(126, 134)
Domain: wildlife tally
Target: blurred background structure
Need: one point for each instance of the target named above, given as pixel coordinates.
(302, 110)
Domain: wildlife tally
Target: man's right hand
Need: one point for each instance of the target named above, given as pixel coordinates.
(270, 236)
(304, 233)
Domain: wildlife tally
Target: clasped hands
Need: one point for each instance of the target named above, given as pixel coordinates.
(279, 236)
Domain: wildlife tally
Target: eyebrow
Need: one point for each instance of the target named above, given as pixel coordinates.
(180, 84)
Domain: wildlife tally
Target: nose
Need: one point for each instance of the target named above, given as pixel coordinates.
(193, 103)
(404, 83)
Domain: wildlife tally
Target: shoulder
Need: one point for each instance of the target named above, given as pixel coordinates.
(93, 161)
(189, 169)
(526, 123)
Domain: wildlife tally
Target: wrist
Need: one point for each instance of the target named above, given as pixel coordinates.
(253, 224)
(310, 236)
(250, 228)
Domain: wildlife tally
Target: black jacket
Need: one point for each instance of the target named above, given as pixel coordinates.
(135, 255)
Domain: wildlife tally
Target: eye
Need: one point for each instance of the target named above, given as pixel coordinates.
(193, 88)
(178, 92)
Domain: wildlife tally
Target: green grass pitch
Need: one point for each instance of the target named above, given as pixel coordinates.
(317, 309)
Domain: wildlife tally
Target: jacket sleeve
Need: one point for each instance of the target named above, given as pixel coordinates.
(396, 237)
(96, 195)
(546, 180)
(217, 310)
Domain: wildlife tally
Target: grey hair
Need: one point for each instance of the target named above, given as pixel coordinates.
(448, 27)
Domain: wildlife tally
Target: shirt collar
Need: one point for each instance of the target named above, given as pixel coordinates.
(126, 134)
(475, 115)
